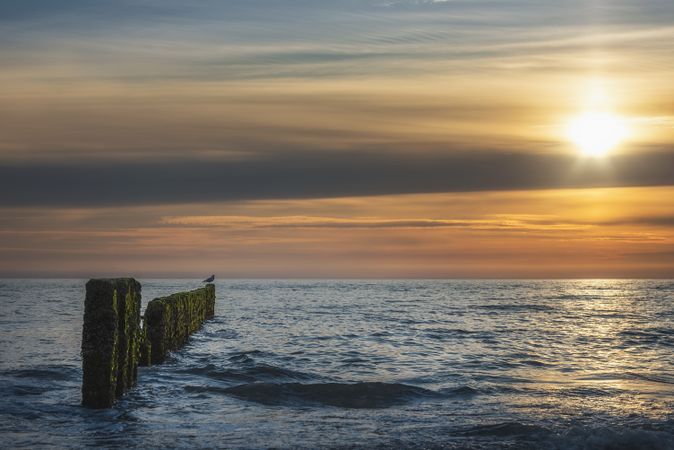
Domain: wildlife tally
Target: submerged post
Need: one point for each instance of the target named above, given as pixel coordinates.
(169, 321)
(110, 340)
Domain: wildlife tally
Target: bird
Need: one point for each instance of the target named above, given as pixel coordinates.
(209, 279)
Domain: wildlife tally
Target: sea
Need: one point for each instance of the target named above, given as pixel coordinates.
(350, 364)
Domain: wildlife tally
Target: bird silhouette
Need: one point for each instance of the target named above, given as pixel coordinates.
(209, 279)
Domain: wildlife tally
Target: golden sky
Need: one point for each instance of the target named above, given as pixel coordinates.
(335, 139)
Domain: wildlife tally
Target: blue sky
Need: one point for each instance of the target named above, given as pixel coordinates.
(202, 40)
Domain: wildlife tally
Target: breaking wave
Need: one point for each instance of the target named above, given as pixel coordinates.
(343, 395)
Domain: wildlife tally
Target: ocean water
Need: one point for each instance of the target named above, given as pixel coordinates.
(360, 364)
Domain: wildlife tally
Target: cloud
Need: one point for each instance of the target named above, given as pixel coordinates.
(208, 40)
(653, 221)
(495, 223)
(660, 254)
(533, 233)
(317, 175)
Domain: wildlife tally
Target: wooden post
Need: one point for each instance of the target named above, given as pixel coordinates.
(110, 340)
(169, 321)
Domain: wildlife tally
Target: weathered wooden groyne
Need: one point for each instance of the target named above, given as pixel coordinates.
(110, 340)
(113, 342)
(169, 321)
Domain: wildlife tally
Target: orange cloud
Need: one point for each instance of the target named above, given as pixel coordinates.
(625, 232)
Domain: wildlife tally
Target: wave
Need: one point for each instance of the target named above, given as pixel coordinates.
(533, 363)
(245, 356)
(37, 381)
(250, 374)
(587, 438)
(221, 333)
(516, 307)
(461, 391)
(648, 336)
(585, 392)
(574, 438)
(503, 429)
(365, 395)
(26, 390)
(653, 378)
(456, 333)
(54, 373)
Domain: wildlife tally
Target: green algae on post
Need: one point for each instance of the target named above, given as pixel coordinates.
(113, 342)
(110, 340)
(169, 321)
(145, 348)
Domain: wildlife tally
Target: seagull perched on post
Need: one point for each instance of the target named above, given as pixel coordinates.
(209, 279)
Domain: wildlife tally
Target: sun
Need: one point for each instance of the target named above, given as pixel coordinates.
(596, 133)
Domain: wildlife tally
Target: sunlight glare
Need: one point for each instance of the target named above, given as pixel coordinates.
(596, 133)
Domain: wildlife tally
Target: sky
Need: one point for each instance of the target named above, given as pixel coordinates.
(334, 139)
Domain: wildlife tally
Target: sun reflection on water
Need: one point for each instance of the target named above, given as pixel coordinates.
(604, 353)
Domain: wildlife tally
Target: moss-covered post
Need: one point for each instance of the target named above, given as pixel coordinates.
(145, 347)
(110, 340)
(169, 321)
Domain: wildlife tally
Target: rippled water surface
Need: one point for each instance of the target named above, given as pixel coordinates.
(350, 364)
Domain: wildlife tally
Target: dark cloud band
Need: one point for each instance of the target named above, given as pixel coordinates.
(317, 175)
